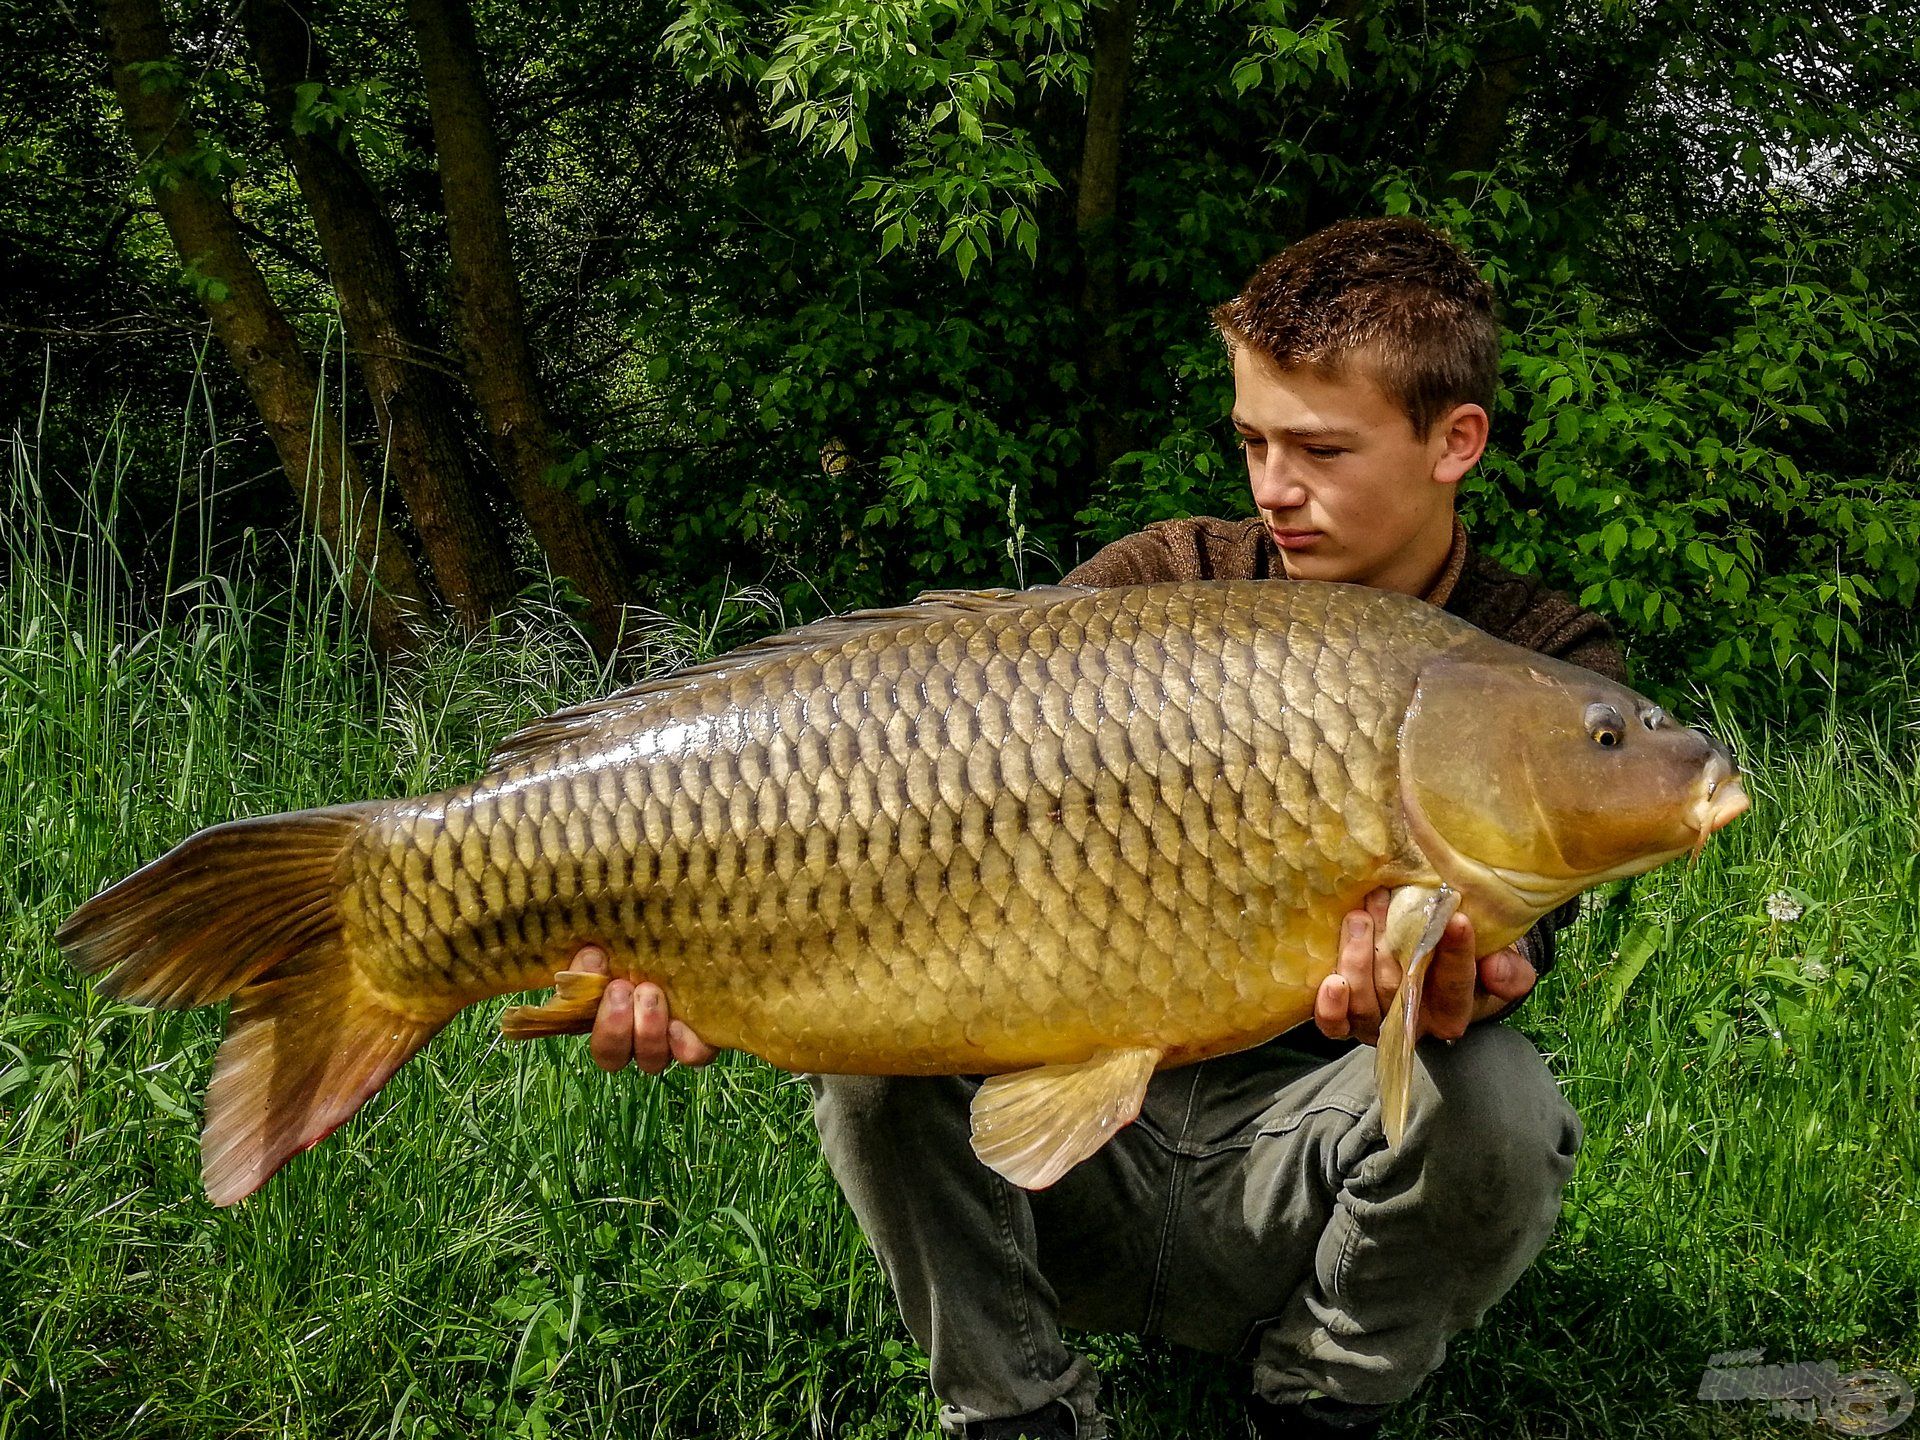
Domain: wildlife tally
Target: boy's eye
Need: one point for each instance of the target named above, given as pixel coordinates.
(1324, 452)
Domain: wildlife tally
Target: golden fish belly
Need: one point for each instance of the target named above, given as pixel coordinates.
(975, 843)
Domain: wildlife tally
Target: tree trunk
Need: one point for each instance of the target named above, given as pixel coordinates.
(334, 497)
(485, 292)
(1605, 99)
(416, 408)
(1476, 129)
(1097, 224)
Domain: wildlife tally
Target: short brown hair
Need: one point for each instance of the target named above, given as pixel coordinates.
(1394, 291)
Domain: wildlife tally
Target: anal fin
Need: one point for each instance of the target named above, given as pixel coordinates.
(1032, 1126)
(1416, 919)
(570, 1010)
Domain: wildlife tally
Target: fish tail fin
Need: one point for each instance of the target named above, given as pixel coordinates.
(249, 911)
(307, 1045)
(218, 910)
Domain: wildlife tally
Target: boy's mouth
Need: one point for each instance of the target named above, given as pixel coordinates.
(1293, 539)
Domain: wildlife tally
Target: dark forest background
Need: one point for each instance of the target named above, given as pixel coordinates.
(853, 298)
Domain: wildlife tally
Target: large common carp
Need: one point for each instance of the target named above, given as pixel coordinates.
(1060, 837)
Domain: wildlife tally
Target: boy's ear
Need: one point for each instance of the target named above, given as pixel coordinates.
(1459, 438)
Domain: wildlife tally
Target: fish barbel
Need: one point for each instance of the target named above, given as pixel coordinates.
(1059, 837)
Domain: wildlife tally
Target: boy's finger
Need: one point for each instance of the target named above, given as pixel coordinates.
(1357, 967)
(591, 959)
(1507, 974)
(612, 1042)
(1446, 1009)
(650, 1050)
(1387, 973)
(688, 1048)
(1330, 1008)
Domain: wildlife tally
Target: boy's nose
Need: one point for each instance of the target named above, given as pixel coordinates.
(1273, 489)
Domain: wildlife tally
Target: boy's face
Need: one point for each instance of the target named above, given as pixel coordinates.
(1347, 489)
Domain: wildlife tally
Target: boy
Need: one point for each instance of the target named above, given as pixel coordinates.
(1253, 1210)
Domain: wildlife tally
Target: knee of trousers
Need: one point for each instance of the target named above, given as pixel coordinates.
(1495, 1125)
(873, 1117)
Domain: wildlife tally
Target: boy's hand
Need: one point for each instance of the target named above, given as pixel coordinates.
(1353, 1000)
(634, 1024)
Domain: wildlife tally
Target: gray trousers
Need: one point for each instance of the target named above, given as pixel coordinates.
(1252, 1211)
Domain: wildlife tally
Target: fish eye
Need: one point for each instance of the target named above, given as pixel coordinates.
(1604, 725)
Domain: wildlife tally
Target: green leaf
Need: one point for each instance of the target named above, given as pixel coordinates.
(1641, 943)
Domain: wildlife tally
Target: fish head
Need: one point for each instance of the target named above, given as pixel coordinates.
(1527, 780)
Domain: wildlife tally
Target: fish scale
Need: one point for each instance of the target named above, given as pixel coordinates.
(1059, 837)
(1016, 775)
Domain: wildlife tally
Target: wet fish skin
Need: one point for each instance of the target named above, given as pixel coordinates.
(1062, 837)
(926, 849)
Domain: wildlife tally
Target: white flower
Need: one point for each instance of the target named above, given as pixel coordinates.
(1811, 969)
(1783, 908)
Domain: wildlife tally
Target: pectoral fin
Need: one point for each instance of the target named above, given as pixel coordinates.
(1416, 919)
(1033, 1126)
(576, 1000)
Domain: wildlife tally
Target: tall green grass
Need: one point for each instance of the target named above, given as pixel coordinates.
(509, 1243)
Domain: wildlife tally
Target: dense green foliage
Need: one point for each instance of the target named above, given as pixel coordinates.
(818, 307)
(508, 1243)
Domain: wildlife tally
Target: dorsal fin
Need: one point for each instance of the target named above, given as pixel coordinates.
(579, 722)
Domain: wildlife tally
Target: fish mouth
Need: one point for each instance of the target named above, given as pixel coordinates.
(1721, 801)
